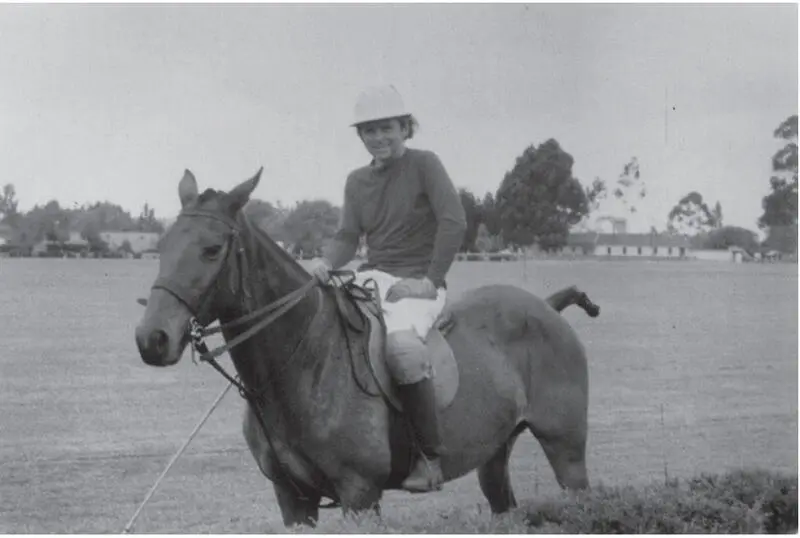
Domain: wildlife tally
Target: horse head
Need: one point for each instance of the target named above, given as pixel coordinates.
(196, 254)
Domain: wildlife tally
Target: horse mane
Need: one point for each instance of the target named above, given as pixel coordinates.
(207, 195)
(256, 237)
(262, 253)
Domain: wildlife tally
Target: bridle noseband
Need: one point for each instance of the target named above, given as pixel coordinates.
(199, 308)
(197, 330)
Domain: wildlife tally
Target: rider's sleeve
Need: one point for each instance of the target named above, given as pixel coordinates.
(450, 218)
(343, 246)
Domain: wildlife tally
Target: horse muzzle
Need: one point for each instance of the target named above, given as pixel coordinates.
(156, 347)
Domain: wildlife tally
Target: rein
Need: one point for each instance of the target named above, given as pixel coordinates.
(197, 330)
(273, 311)
(264, 315)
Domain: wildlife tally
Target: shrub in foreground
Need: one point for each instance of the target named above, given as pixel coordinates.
(738, 502)
(733, 503)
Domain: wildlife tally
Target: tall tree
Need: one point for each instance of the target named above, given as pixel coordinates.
(49, 222)
(717, 214)
(8, 203)
(148, 222)
(614, 200)
(268, 217)
(780, 205)
(691, 215)
(539, 199)
(472, 211)
(596, 193)
(258, 211)
(107, 217)
(725, 237)
(489, 215)
(630, 187)
(485, 241)
(310, 224)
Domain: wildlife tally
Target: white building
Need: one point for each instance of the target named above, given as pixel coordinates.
(139, 241)
(6, 234)
(627, 245)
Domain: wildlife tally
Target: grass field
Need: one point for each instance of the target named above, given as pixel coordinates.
(86, 427)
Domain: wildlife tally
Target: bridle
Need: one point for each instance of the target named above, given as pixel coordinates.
(197, 330)
(199, 307)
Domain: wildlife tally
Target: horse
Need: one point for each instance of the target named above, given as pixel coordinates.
(314, 422)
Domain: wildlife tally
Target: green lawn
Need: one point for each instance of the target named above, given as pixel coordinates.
(86, 427)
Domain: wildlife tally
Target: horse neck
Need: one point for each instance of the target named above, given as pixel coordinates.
(268, 274)
(288, 362)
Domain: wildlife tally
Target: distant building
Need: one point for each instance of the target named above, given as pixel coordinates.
(618, 225)
(73, 246)
(76, 240)
(627, 245)
(139, 241)
(6, 233)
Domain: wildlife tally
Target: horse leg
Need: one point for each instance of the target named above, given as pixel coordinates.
(358, 495)
(494, 479)
(296, 509)
(566, 452)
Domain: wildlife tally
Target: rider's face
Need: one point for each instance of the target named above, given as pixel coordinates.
(384, 139)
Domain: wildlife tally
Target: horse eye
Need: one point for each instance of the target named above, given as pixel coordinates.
(212, 252)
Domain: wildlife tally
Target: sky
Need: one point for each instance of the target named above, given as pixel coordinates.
(112, 102)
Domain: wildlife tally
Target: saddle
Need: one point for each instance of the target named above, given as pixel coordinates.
(361, 311)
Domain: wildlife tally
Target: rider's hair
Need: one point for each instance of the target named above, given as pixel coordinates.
(409, 122)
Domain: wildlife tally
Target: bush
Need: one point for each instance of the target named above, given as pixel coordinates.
(738, 502)
(774, 495)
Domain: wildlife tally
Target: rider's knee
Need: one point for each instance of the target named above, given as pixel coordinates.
(404, 341)
(407, 357)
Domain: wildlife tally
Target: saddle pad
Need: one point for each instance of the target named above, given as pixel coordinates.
(445, 368)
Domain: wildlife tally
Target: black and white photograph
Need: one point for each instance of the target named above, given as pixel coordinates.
(398, 268)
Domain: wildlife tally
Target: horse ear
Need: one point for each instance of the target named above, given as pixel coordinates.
(240, 195)
(187, 189)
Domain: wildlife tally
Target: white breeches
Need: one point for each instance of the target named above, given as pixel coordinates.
(409, 313)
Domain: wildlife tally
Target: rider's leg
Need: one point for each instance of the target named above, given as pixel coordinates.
(410, 366)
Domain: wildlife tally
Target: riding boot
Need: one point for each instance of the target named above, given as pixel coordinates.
(419, 402)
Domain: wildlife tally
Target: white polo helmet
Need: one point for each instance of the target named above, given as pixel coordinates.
(379, 103)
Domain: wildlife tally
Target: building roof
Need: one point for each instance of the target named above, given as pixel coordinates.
(627, 240)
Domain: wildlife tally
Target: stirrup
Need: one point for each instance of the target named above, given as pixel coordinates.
(425, 477)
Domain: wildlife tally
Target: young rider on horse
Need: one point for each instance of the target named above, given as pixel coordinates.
(407, 207)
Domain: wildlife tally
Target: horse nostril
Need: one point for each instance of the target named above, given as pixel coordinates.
(159, 341)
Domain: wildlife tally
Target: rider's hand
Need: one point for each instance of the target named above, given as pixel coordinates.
(417, 288)
(320, 269)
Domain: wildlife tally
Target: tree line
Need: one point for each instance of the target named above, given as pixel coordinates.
(54, 223)
(538, 201)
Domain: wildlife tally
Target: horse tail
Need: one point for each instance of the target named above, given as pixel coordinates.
(566, 297)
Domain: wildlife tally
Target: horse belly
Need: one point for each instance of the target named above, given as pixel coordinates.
(490, 403)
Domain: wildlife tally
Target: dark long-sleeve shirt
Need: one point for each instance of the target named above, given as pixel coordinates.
(410, 213)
